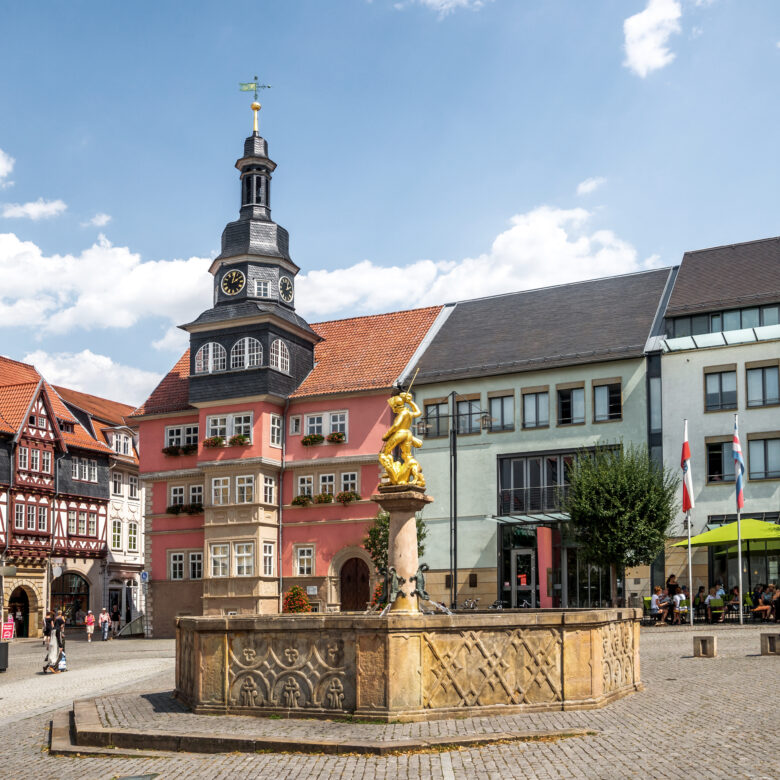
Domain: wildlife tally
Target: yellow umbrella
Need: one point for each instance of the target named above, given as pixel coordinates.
(752, 531)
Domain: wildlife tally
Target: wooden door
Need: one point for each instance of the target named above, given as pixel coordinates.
(355, 586)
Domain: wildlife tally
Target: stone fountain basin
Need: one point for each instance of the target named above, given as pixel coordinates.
(407, 667)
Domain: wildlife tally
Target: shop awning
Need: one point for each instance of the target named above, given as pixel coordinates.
(752, 531)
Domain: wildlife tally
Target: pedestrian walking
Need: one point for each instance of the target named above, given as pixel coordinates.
(47, 626)
(114, 620)
(89, 622)
(105, 623)
(55, 657)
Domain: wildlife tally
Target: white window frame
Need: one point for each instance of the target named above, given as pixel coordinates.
(24, 458)
(177, 565)
(196, 557)
(336, 423)
(247, 352)
(132, 537)
(46, 461)
(269, 490)
(228, 425)
(243, 428)
(269, 557)
(305, 485)
(42, 422)
(279, 358)
(349, 480)
(132, 486)
(19, 517)
(217, 426)
(244, 558)
(327, 483)
(196, 494)
(295, 425)
(43, 518)
(210, 358)
(93, 471)
(304, 553)
(245, 489)
(315, 427)
(74, 467)
(173, 435)
(223, 485)
(275, 430)
(223, 558)
(82, 525)
(35, 459)
(116, 524)
(117, 480)
(72, 522)
(262, 288)
(92, 520)
(31, 517)
(177, 495)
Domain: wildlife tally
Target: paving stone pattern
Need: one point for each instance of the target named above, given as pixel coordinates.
(663, 732)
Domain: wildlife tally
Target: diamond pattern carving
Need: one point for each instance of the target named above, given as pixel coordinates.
(485, 667)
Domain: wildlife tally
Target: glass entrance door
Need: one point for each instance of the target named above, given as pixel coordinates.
(524, 577)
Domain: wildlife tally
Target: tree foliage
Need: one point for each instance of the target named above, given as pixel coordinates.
(621, 505)
(377, 540)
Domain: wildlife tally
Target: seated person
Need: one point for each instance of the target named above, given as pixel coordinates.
(731, 602)
(657, 609)
(707, 602)
(698, 601)
(763, 608)
(679, 609)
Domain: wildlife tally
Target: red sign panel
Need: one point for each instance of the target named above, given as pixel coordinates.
(523, 579)
(8, 630)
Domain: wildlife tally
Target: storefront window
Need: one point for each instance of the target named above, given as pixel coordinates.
(70, 593)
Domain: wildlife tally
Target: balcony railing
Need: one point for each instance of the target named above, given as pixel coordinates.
(524, 501)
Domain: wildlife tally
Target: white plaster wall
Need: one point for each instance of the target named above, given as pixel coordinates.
(683, 397)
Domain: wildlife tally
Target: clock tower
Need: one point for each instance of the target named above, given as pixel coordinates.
(251, 342)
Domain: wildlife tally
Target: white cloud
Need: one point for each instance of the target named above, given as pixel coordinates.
(103, 286)
(647, 36)
(38, 209)
(6, 167)
(590, 185)
(99, 220)
(97, 374)
(444, 7)
(173, 340)
(541, 247)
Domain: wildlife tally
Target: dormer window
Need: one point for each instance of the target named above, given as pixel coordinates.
(262, 288)
(246, 353)
(210, 357)
(280, 356)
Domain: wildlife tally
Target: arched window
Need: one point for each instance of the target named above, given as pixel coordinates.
(246, 353)
(210, 357)
(280, 356)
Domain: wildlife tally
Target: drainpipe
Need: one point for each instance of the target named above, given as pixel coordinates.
(14, 445)
(279, 495)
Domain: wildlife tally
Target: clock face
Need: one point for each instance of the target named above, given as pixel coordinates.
(233, 282)
(286, 289)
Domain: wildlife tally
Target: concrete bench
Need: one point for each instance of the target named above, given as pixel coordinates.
(705, 647)
(770, 644)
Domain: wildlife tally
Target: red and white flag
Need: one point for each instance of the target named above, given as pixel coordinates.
(687, 482)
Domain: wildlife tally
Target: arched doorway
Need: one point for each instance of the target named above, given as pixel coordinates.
(19, 609)
(355, 585)
(70, 593)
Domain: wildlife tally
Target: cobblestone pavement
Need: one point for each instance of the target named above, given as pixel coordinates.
(664, 732)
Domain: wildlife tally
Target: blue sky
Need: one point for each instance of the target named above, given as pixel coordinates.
(477, 147)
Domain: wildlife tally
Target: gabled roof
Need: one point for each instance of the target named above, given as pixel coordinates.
(570, 324)
(112, 412)
(14, 403)
(729, 276)
(173, 392)
(365, 353)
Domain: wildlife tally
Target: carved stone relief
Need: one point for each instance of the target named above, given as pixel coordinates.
(617, 644)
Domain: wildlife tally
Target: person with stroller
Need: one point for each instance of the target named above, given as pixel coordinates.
(55, 656)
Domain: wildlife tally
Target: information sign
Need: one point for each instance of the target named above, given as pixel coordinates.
(8, 630)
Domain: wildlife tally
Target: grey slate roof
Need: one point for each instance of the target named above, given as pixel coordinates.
(571, 324)
(230, 311)
(249, 236)
(727, 276)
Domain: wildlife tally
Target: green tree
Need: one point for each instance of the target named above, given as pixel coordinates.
(621, 504)
(377, 540)
(296, 600)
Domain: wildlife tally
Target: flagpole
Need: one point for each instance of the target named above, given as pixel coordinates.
(690, 568)
(741, 597)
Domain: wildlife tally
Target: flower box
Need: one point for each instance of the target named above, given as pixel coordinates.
(174, 509)
(174, 450)
(188, 449)
(192, 509)
(214, 441)
(347, 496)
(337, 437)
(303, 500)
(312, 438)
(239, 440)
(323, 498)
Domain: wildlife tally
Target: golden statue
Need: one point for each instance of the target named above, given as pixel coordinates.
(407, 471)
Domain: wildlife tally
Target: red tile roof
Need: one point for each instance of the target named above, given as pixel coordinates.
(365, 353)
(359, 353)
(172, 394)
(112, 412)
(18, 383)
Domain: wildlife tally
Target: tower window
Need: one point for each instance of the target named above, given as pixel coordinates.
(210, 357)
(246, 353)
(258, 189)
(262, 288)
(280, 356)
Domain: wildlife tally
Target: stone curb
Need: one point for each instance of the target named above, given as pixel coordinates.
(88, 734)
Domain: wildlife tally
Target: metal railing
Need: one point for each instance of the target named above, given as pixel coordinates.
(532, 499)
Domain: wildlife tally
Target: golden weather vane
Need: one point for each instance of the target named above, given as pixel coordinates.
(253, 86)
